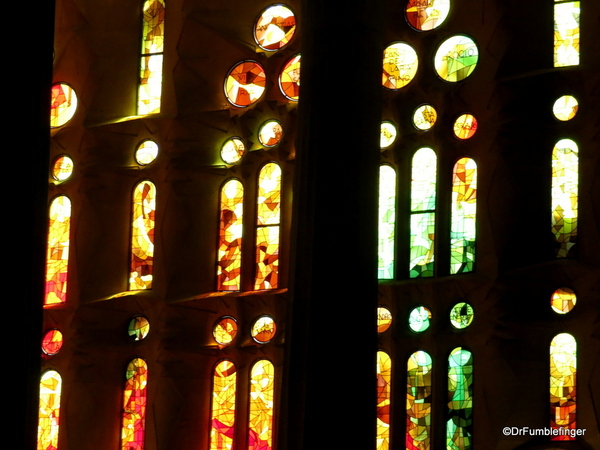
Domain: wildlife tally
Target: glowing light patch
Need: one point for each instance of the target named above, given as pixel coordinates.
(400, 63)
(63, 104)
(245, 83)
(563, 300)
(424, 117)
(275, 28)
(289, 79)
(225, 330)
(233, 150)
(52, 342)
(461, 315)
(566, 34)
(456, 58)
(384, 319)
(388, 134)
(465, 126)
(62, 169)
(264, 329)
(146, 152)
(138, 328)
(419, 318)
(270, 133)
(427, 15)
(565, 108)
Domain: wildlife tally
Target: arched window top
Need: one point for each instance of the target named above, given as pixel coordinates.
(423, 186)
(142, 236)
(134, 405)
(222, 431)
(262, 401)
(49, 410)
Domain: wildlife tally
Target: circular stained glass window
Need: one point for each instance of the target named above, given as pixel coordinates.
(461, 315)
(263, 329)
(563, 300)
(400, 63)
(233, 150)
(427, 15)
(289, 80)
(62, 168)
(270, 133)
(419, 318)
(52, 342)
(384, 319)
(63, 104)
(138, 328)
(225, 330)
(146, 152)
(456, 58)
(275, 28)
(424, 117)
(465, 126)
(565, 108)
(245, 83)
(388, 134)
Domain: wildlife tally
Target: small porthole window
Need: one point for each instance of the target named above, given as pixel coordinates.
(233, 150)
(62, 169)
(138, 328)
(264, 329)
(275, 28)
(245, 83)
(270, 133)
(63, 104)
(146, 152)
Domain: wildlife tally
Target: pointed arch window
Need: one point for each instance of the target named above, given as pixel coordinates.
(565, 175)
(422, 217)
(267, 227)
(134, 405)
(566, 33)
(418, 401)
(384, 399)
(223, 406)
(464, 215)
(387, 222)
(563, 386)
(230, 236)
(262, 400)
(57, 259)
(142, 236)
(459, 428)
(49, 410)
(151, 65)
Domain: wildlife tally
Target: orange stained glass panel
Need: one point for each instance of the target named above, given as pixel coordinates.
(57, 259)
(384, 399)
(223, 406)
(230, 236)
(52, 342)
(245, 83)
(142, 236)
(49, 410)
(289, 80)
(262, 400)
(134, 406)
(275, 27)
(563, 386)
(62, 105)
(267, 231)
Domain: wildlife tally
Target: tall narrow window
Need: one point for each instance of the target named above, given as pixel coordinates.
(422, 218)
(565, 173)
(563, 386)
(57, 257)
(459, 428)
(223, 406)
(49, 412)
(153, 46)
(134, 406)
(464, 206)
(260, 419)
(384, 399)
(387, 222)
(142, 236)
(566, 33)
(418, 401)
(267, 227)
(230, 236)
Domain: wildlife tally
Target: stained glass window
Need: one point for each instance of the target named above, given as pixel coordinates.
(424, 117)
(134, 406)
(49, 410)
(384, 399)
(153, 47)
(52, 342)
(400, 63)
(418, 319)
(388, 135)
(262, 402)
(461, 315)
(270, 133)
(563, 385)
(267, 227)
(427, 15)
(233, 150)
(263, 329)
(245, 83)
(146, 152)
(138, 328)
(384, 319)
(464, 214)
(459, 428)
(565, 174)
(62, 105)
(456, 58)
(225, 330)
(230, 236)
(422, 219)
(275, 27)
(387, 222)
(62, 168)
(566, 33)
(142, 236)
(222, 430)
(563, 300)
(465, 126)
(565, 108)
(418, 401)
(289, 80)
(57, 259)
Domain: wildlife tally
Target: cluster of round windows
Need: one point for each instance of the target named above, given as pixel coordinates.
(262, 331)
(461, 316)
(246, 81)
(269, 135)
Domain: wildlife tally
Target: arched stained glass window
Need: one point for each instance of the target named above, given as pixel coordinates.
(230, 236)
(384, 399)
(418, 401)
(222, 419)
(563, 386)
(134, 406)
(142, 236)
(57, 256)
(49, 411)
(267, 227)
(464, 210)
(422, 218)
(151, 66)
(387, 222)
(566, 33)
(565, 174)
(459, 428)
(262, 400)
